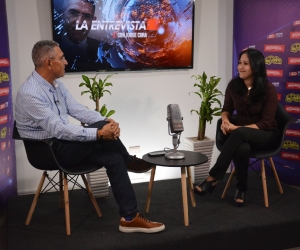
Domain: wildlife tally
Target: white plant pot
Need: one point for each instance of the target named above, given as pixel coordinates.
(200, 172)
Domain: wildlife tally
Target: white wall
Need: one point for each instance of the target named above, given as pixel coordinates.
(139, 98)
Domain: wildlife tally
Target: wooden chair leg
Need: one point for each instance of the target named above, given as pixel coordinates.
(61, 193)
(150, 187)
(184, 197)
(264, 182)
(190, 185)
(228, 183)
(67, 208)
(36, 197)
(89, 190)
(276, 176)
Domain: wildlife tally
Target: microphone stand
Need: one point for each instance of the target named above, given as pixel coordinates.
(174, 155)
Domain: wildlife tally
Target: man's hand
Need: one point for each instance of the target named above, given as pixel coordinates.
(110, 131)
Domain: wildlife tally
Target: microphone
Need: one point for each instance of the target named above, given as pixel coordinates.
(174, 118)
(176, 126)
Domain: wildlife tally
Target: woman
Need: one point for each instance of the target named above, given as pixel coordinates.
(254, 99)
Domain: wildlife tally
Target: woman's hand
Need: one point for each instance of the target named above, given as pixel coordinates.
(227, 127)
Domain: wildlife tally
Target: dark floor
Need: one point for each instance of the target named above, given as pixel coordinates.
(254, 212)
(213, 220)
(3, 232)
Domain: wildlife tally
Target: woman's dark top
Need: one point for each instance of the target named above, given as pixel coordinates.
(262, 114)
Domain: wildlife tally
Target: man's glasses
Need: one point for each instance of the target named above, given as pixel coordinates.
(75, 13)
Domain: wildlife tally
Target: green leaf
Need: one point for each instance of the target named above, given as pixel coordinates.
(110, 113)
(85, 78)
(106, 91)
(197, 93)
(103, 110)
(100, 83)
(217, 101)
(86, 91)
(104, 81)
(94, 78)
(196, 111)
(87, 81)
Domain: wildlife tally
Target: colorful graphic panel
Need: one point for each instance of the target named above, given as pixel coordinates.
(8, 182)
(273, 27)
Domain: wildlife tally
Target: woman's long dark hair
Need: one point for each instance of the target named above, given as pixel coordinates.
(260, 80)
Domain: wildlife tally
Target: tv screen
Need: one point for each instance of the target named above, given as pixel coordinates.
(105, 35)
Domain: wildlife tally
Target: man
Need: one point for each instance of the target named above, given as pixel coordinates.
(81, 50)
(42, 108)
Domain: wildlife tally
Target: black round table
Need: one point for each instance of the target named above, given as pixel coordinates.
(191, 159)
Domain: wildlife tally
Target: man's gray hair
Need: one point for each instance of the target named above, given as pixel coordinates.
(43, 50)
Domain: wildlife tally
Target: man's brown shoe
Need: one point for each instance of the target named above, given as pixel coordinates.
(140, 224)
(138, 165)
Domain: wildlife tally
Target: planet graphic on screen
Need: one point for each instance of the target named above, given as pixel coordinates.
(157, 33)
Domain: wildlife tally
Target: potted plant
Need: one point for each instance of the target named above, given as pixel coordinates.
(96, 89)
(98, 180)
(208, 94)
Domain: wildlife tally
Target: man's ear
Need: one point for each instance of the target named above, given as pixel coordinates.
(94, 18)
(48, 63)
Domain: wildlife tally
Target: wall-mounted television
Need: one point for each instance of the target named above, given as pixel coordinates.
(116, 35)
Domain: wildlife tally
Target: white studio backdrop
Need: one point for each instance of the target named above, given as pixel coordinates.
(139, 98)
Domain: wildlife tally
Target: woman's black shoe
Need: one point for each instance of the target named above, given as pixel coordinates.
(205, 186)
(241, 196)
